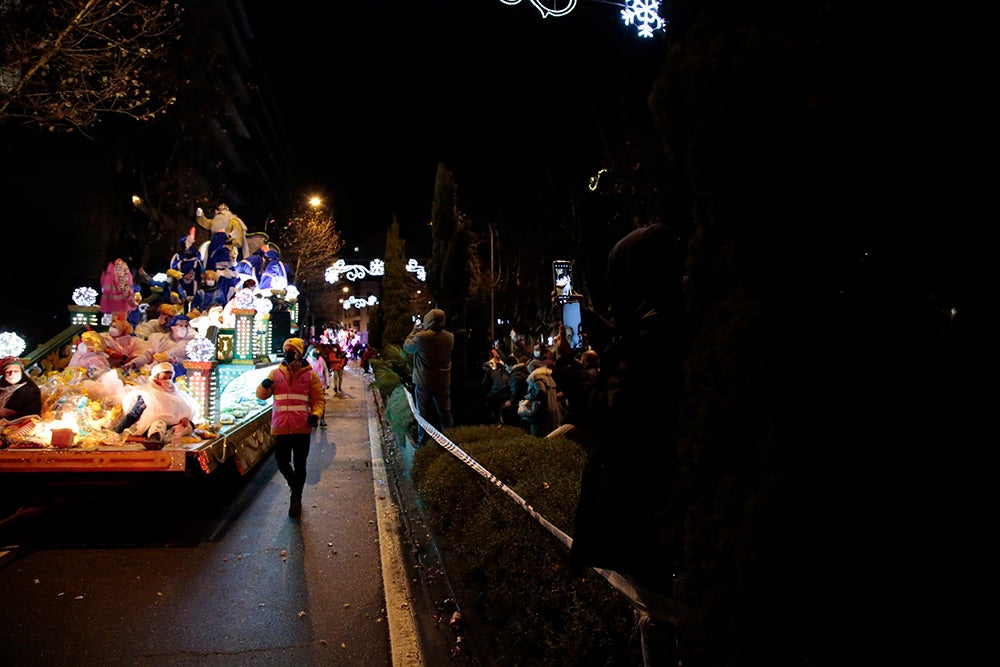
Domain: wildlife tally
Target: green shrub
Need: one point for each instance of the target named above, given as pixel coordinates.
(401, 420)
(508, 567)
(389, 369)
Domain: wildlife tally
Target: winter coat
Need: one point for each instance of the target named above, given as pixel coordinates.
(431, 350)
(518, 380)
(542, 387)
(318, 364)
(296, 395)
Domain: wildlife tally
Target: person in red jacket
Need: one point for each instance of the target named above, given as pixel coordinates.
(337, 361)
(298, 405)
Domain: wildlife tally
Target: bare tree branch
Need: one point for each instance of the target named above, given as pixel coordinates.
(63, 65)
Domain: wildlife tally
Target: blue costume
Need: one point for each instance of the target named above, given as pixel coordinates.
(250, 267)
(275, 273)
(220, 260)
(187, 262)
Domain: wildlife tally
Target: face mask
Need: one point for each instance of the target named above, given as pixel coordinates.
(538, 355)
(291, 356)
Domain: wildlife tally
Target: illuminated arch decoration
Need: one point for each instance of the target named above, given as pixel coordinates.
(357, 302)
(548, 7)
(413, 267)
(376, 267)
(642, 14)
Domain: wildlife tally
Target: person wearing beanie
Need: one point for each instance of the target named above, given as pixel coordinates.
(299, 404)
(19, 395)
(431, 345)
(158, 409)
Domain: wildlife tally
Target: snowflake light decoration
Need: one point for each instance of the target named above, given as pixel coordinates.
(291, 293)
(644, 15)
(200, 349)
(262, 305)
(244, 298)
(11, 345)
(85, 296)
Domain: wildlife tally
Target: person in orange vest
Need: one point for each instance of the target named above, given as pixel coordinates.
(298, 405)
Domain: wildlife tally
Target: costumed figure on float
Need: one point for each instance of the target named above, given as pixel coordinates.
(227, 223)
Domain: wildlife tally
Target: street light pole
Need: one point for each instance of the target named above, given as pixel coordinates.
(492, 288)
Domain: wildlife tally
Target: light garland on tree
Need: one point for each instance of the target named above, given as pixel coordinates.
(85, 296)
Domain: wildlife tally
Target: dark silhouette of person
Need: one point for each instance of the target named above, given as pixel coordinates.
(431, 345)
(622, 517)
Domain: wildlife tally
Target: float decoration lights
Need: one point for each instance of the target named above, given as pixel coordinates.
(85, 296)
(201, 349)
(11, 345)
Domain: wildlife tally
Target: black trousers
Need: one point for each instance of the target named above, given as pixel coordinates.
(290, 453)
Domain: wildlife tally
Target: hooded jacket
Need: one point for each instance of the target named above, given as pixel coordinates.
(542, 387)
(431, 350)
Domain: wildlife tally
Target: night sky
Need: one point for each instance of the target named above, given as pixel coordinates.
(374, 95)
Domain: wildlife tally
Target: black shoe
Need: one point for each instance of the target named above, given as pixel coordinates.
(295, 507)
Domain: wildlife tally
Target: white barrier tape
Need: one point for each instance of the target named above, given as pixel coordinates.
(643, 600)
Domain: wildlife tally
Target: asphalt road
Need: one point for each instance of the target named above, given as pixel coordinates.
(211, 571)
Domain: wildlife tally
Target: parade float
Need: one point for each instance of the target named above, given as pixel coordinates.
(75, 432)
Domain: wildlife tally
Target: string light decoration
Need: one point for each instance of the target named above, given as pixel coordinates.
(643, 14)
(358, 302)
(376, 267)
(203, 384)
(200, 349)
(11, 345)
(85, 296)
(243, 338)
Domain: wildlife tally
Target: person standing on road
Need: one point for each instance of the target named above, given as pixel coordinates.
(431, 345)
(298, 405)
(338, 360)
(318, 364)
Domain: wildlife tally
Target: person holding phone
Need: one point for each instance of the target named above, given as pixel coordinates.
(431, 346)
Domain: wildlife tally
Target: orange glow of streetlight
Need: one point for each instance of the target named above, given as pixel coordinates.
(315, 202)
